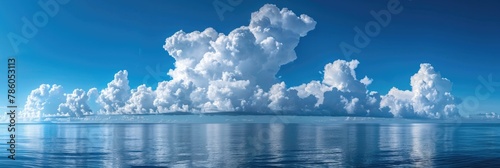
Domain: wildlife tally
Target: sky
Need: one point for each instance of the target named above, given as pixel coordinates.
(84, 44)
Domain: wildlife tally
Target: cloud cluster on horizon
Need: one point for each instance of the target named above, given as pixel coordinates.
(215, 72)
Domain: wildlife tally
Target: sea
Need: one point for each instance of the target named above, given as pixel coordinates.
(321, 142)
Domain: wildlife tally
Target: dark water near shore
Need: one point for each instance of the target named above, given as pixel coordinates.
(255, 145)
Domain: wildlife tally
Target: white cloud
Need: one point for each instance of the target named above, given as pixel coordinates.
(313, 88)
(93, 93)
(141, 101)
(42, 101)
(366, 81)
(430, 97)
(340, 93)
(174, 96)
(116, 94)
(341, 75)
(289, 101)
(76, 104)
(215, 72)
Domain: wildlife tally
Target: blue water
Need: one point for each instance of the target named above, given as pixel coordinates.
(255, 145)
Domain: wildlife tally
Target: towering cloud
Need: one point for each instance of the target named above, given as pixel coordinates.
(215, 72)
(116, 94)
(430, 97)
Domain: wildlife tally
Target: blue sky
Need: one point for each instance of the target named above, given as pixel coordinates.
(87, 42)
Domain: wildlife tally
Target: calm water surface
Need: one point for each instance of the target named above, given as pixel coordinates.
(256, 145)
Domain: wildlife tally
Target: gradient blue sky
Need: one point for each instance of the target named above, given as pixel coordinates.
(89, 41)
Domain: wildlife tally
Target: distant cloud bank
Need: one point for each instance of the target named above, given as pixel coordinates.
(215, 72)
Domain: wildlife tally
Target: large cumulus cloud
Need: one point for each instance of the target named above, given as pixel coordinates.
(43, 100)
(430, 97)
(115, 96)
(216, 72)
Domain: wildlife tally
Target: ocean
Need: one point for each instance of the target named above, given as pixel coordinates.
(255, 145)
